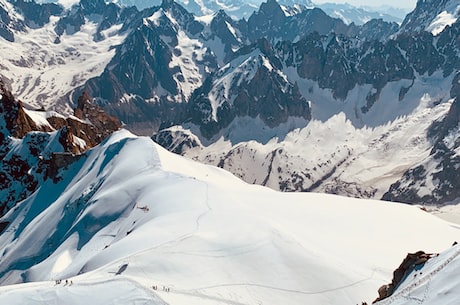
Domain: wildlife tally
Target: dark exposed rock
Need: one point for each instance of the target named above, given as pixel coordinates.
(374, 29)
(109, 14)
(102, 124)
(136, 68)
(17, 122)
(5, 21)
(410, 263)
(220, 28)
(59, 161)
(26, 164)
(9, 23)
(270, 22)
(267, 21)
(423, 14)
(266, 94)
(35, 14)
(176, 141)
(71, 23)
(455, 91)
(3, 226)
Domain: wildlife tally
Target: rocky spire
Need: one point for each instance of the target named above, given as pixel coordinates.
(166, 4)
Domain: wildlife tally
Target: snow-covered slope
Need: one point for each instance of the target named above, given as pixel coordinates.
(432, 16)
(130, 216)
(43, 71)
(331, 156)
(446, 18)
(435, 283)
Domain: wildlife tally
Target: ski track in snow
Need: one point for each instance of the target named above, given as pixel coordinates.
(284, 289)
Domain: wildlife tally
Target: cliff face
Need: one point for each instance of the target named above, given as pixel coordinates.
(17, 122)
(29, 141)
(410, 263)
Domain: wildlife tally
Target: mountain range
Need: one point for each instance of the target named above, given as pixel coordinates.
(262, 85)
(287, 98)
(129, 222)
(238, 9)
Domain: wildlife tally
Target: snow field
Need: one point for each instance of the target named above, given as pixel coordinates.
(41, 69)
(206, 235)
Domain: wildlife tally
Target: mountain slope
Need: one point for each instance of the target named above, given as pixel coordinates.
(34, 143)
(44, 64)
(435, 178)
(250, 85)
(432, 16)
(129, 207)
(433, 283)
(384, 86)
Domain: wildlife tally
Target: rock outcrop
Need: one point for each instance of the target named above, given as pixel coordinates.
(31, 150)
(410, 263)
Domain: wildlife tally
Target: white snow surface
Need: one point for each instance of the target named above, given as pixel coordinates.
(159, 219)
(41, 70)
(445, 18)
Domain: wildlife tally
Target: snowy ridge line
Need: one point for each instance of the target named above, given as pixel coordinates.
(85, 283)
(419, 282)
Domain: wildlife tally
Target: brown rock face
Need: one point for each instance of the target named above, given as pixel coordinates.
(411, 261)
(21, 173)
(90, 124)
(18, 123)
(101, 124)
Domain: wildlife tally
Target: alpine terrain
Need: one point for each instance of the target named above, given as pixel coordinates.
(128, 222)
(191, 152)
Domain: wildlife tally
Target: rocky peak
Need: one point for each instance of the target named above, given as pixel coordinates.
(426, 12)
(17, 122)
(93, 6)
(270, 7)
(30, 160)
(251, 85)
(9, 22)
(185, 19)
(223, 26)
(410, 263)
(167, 4)
(37, 14)
(375, 29)
(84, 106)
(269, 18)
(100, 123)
